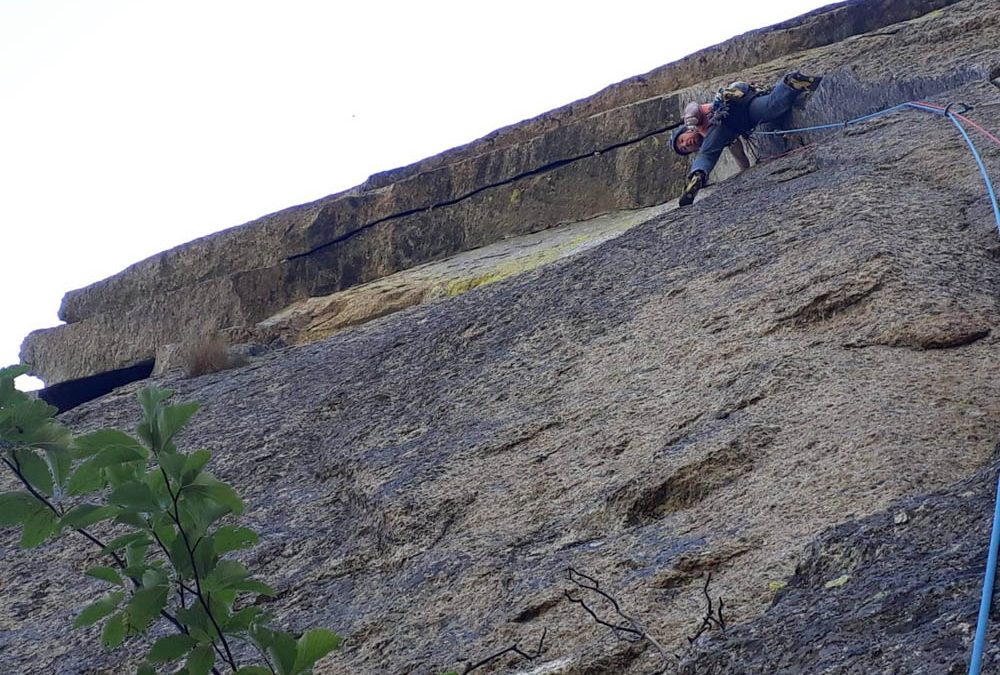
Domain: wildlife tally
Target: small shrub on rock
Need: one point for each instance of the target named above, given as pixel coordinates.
(208, 354)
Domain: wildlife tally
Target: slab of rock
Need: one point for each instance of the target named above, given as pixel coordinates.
(319, 317)
(708, 392)
(893, 592)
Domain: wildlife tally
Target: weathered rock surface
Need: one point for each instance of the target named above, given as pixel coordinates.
(594, 156)
(891, 593)
(708, 392)
(316, 318)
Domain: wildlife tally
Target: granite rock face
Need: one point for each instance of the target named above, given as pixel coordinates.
(601, 154)
(754, 387)
(890, 593)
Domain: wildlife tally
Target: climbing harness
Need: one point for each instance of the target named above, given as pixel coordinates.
(956, 118)
(731, 104)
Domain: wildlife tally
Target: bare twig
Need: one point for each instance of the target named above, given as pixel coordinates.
(713, 617)
(628, 629)
(513, 649)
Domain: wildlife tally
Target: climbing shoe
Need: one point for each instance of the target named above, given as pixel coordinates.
(801, 82)
(695, 182)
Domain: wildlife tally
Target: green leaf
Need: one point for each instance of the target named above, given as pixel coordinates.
(108, 574)
(133, 519)
(171, 648)
(10, 373)
(173, 419)
(243, 619)
(312, 646)
(193, 465)
(197, 622)
(61, 463)
(87, 478)
(135, 551)
(99, 609)
(85, 515)
(254, 586)
(145, 669)
(230, 538)
(226, 574)
(173, 464)
(15, 507)
(124, 540)
(221, 604)
(102, 440)
(114, 631)
(254, 670)
(119, 474)
(163, 528)
(197, 512)
(35, 470)
(39, 524)
(152, 405)
(284, 650)
(23, 420)
(156, 576)
(157, 484)
(180, 558)
(135, 495)
(50, 435)
(151, 397)
(201, 660)
(204, 556)
(216, 491)
(145, 606)
(118, 455)
(262, 636)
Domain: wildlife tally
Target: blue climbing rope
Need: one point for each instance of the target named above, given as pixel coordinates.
(984, 605)
(979, 643)
(837, 125)
(982, 167)
(944, 112)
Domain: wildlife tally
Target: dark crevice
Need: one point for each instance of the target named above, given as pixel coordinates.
(68, 395)
(994, 76)
(522, 439)
(450, 202)
(862, 99)
(953, 342)
(786, 179)
(537, 610)
(881, 33)
(963, 340)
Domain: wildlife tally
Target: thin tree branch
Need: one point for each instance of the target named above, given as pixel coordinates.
(260, 651)
(175, 516)
(713, 617)
(630, 630)
(513, 649)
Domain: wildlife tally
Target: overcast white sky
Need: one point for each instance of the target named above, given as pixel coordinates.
(130, 126)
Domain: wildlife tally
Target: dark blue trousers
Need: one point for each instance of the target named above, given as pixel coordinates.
(763, 108)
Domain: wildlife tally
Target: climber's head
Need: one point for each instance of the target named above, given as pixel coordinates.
(685, 141)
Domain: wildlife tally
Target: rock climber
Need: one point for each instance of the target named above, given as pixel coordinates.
(709, 128)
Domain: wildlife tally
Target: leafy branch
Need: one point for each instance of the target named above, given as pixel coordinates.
(146, 491)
